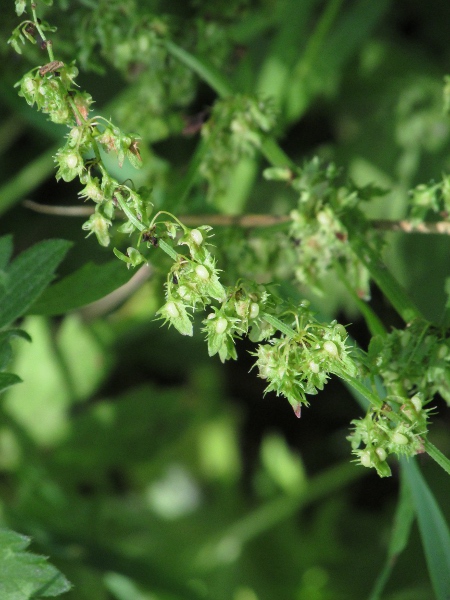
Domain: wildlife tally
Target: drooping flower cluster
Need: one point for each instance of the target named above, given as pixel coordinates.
(53, 90)
(300, 364)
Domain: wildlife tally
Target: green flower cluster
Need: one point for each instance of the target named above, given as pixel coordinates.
(300, 364)
(430, 201)
(396, 428)
(51, 87)
(193, 284)
(413, 361)
(318, 231)
(236, 128)
(53, 90)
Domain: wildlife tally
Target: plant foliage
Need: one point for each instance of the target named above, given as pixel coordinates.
(273, 281)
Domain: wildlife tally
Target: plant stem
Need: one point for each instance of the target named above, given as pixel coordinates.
(27, 179)
(204, 70)
(373, 322)
(129, 214)
(49, 46)
(390, 287)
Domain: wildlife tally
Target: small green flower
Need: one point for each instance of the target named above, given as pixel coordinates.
(92, 190)
(174, 312)
(98, 224)
(70, 163)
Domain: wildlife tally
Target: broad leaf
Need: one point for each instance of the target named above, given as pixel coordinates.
(88, 284)
(28, 276)
(7, 380)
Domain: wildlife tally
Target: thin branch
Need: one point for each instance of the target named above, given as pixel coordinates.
(111, 301)
(440, 227)
(250, 220)
(63, 211)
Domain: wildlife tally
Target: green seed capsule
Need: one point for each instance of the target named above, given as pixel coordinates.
(71, 160)
(314, 367)
(197, 237)
(331, 348)
(172, 310)
(381, 453)
(399, 438)
(221, 325)
(365, 459)
(254, 310)
(416, 402)
(202, 272)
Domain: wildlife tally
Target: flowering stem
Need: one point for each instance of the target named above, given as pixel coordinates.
(165, 247)
(278, 324)
(361, 389)
(49, 46)
(165, 212)
(129, 214)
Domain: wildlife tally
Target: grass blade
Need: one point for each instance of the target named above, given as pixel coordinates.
(433, 530)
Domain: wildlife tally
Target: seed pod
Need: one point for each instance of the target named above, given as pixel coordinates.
(197, 237)
(172, 310)
(331, 348)
(221, 325)
(254, 310)
(202, 272)
(399, 438)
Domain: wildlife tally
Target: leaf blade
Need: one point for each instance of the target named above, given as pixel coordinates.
(88, 284)
(28, 276)
(433, 530)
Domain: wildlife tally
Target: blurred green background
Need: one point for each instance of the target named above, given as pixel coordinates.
(144, 469)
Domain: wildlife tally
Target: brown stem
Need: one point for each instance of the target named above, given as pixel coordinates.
(255, 220)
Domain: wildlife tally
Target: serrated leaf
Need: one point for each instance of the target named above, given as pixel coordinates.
(88, 284)
(24, 575)
(7, 380)
(28, 276)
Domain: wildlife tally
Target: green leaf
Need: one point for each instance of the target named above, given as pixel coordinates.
(88, 284)
(433, 530)
(6, 248)
(7, 380)
(24, 575)
(28, 276)
(5, 346)
(403, 520)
